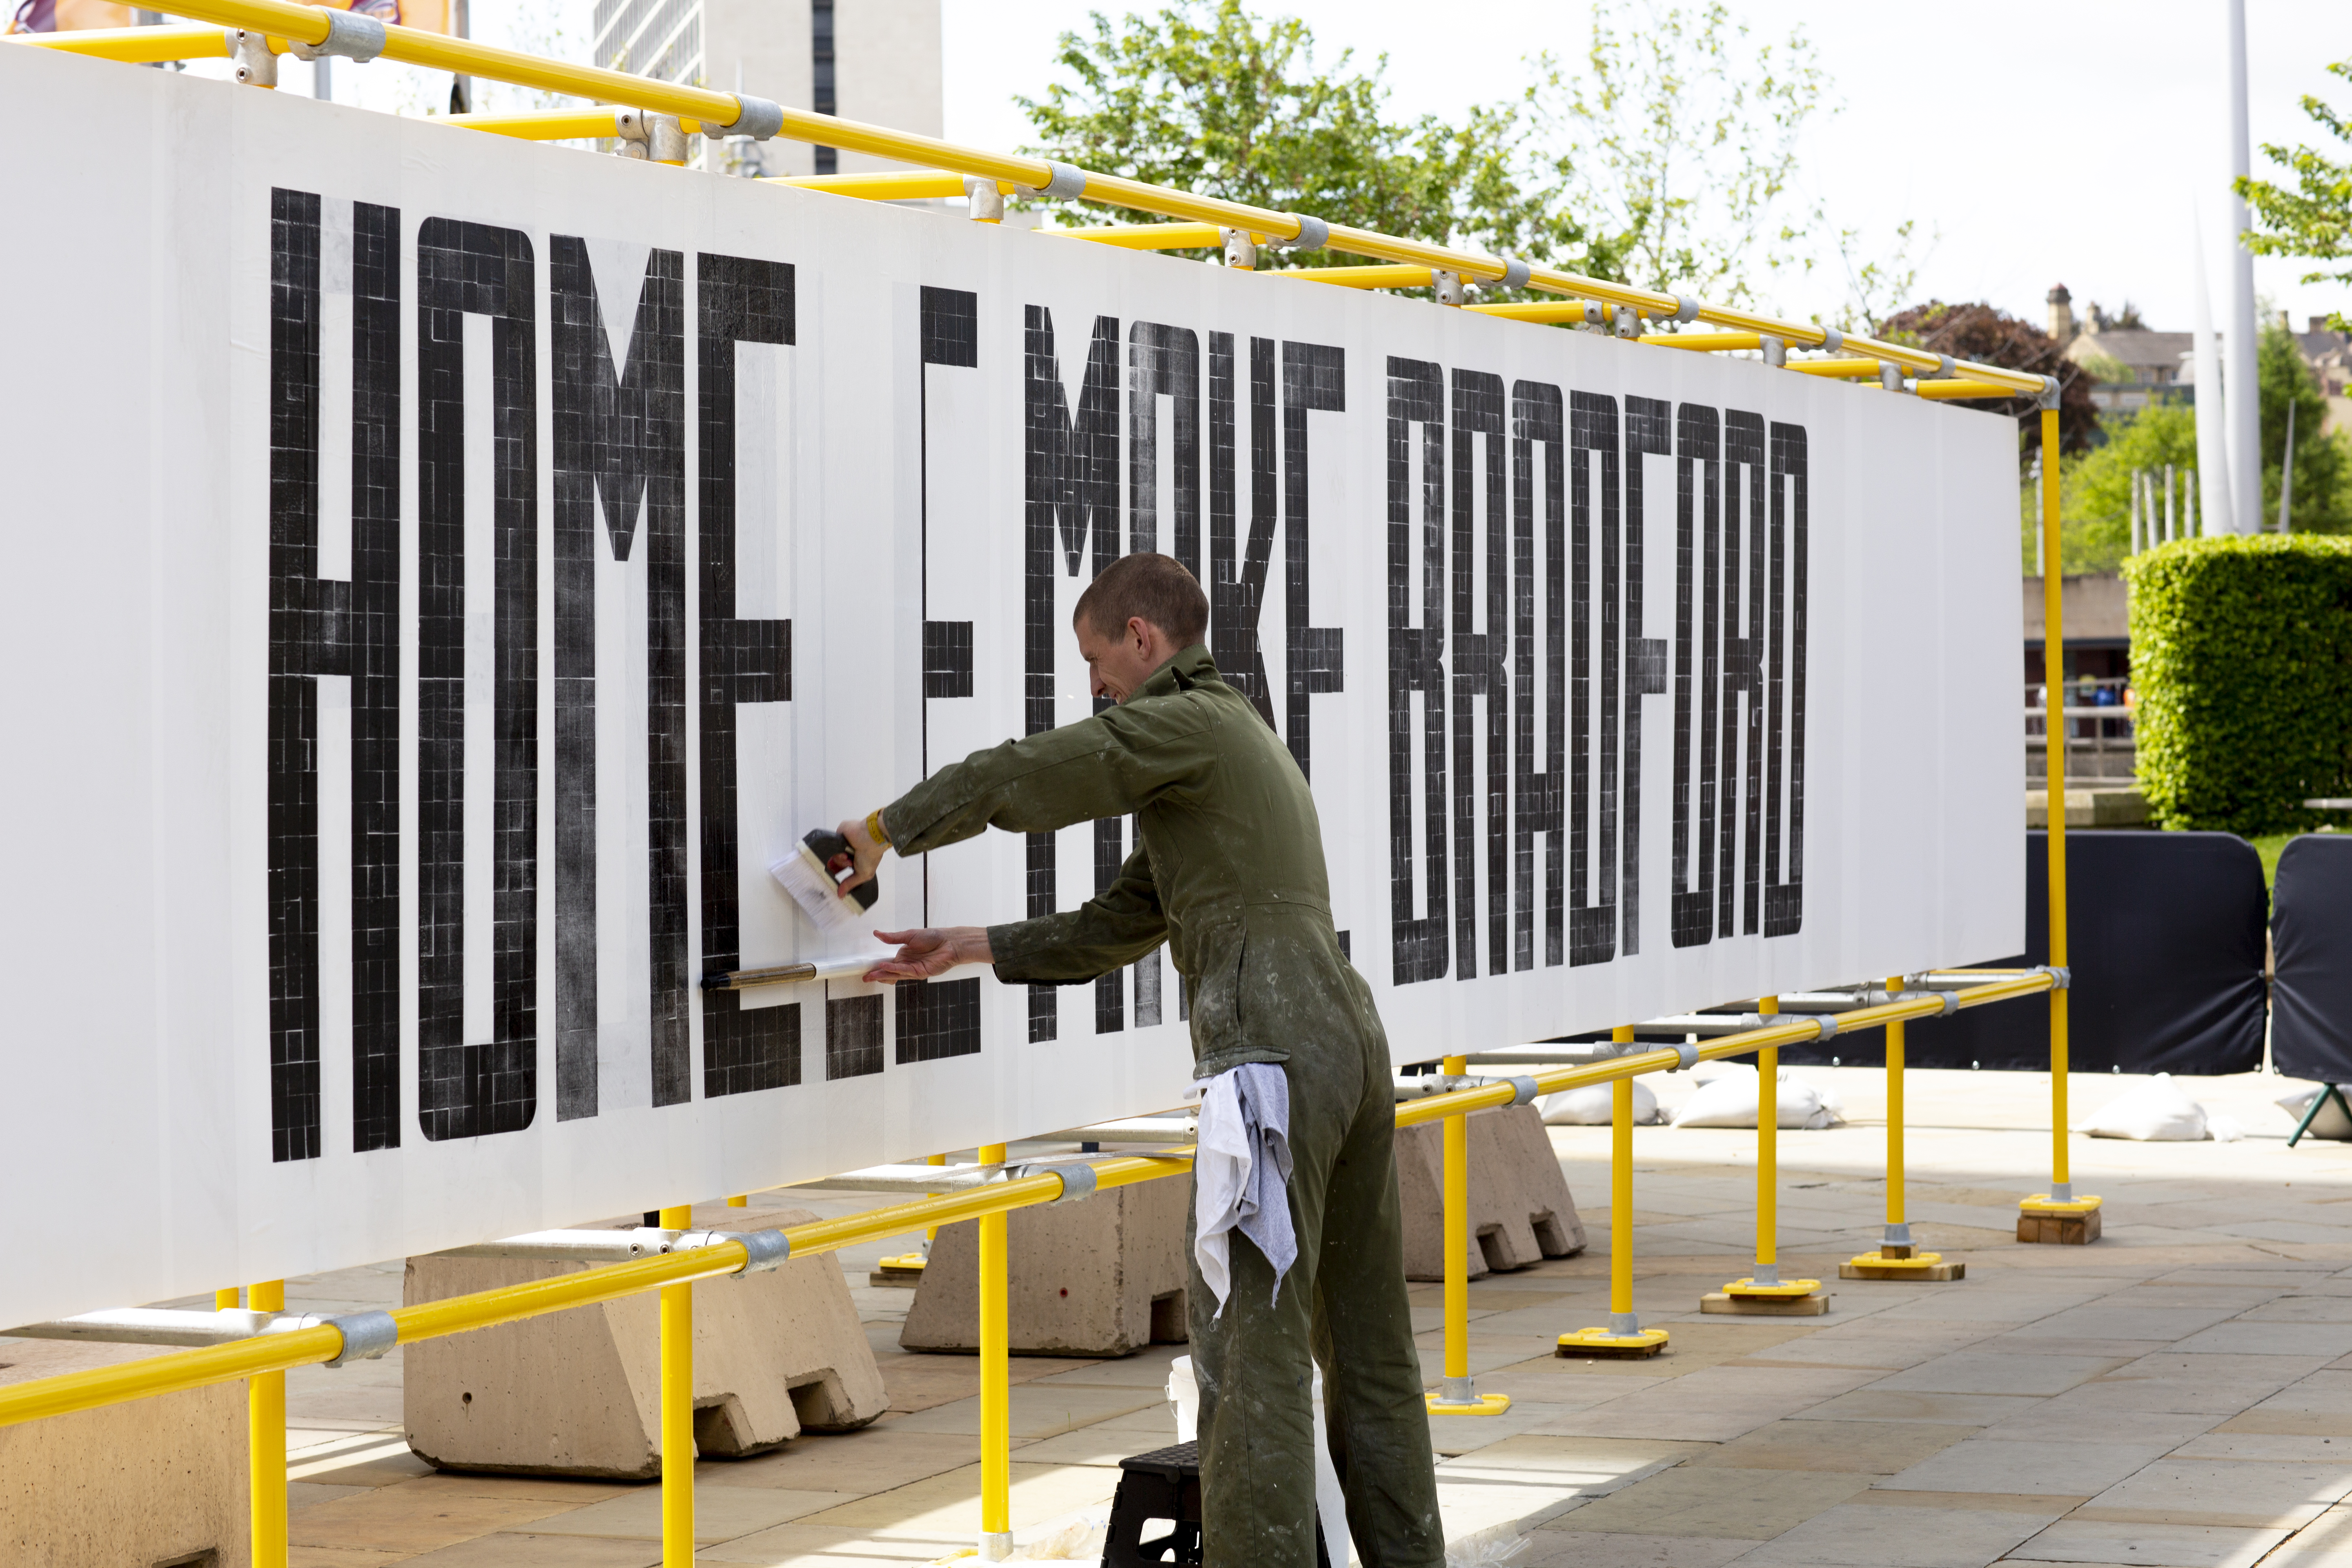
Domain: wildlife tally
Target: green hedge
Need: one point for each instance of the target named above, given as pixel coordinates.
(2242, 660)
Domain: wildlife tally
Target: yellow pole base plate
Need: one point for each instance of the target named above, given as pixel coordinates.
(905, 1270)
(1919, 1265)
(2042, 1202)
(1600, 1341)
(1784, 1290)
(1484, 1404)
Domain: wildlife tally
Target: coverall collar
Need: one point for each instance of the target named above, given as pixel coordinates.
(1189, 668)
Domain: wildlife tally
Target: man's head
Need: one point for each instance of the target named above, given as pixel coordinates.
(1138, 615)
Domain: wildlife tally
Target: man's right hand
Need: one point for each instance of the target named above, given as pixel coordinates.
(931, 950)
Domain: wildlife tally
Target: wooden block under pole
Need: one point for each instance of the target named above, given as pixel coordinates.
(2058, 1229)
(1807, 1306)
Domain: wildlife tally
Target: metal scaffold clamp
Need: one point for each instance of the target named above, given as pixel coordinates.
(366, 1336)
(1523, 1089)
(1828, 1024)
(1241, 250)
(1951, 1000)
(351, 35)
(986, 203)
(1628, 321)
(1066, 182)
(1446, 284)
(256, 66)
(1078, 1183)
(1831, 340)
(1686, 309)
(763, 1249)
(1515, 273)
(757, 118)
(2049, 392)
(2061, 978)
(1314, 234)
(1689, 1055)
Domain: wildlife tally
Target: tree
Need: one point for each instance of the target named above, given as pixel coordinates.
(2322, 501)
(1668, 164)
(1682, 135)
(2315, 218)
(2095, 497)
(1979, 331)
(1215, 101)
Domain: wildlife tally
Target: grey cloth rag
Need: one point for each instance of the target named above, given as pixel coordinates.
(1242, 1173)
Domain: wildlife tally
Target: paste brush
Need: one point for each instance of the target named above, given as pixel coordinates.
(813, 875)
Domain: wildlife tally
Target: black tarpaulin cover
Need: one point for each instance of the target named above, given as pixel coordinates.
(2311, 998)
(2167, 948)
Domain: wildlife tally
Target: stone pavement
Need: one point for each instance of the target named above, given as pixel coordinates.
(2178, 1394)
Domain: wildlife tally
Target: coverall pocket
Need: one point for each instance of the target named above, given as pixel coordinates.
(1217, 1011)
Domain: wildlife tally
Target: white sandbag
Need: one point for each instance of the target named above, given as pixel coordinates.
(2331, 1121)
(2157, 1111)
(1731, 1101)
(1593, 1106)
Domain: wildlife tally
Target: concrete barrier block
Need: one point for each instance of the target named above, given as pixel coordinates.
(1101, 1278)
(577, 1393)
(1520, 1211)
(153, 1482)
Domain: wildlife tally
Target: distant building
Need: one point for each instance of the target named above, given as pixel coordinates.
(875, 60)
(2134, 367)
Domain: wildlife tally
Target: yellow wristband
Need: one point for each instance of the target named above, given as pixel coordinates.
(874, 829)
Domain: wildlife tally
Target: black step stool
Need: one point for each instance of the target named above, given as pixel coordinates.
(1164, 1486)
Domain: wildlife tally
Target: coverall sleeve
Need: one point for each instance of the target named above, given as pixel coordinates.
(1114, 927)
(1111, 765)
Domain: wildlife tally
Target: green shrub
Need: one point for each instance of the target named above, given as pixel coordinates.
(2242, 661)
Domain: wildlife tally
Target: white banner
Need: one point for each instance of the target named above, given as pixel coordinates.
(444, 572)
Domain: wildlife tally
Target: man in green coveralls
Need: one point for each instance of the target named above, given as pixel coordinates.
(1230, 875)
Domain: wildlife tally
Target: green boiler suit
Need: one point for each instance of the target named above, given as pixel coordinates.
(1230, 875)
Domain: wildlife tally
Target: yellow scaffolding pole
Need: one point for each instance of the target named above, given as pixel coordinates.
(1362, 277)
(133, 46)
(1843, 369)
(1149, 235)
(995, 1383)
(172, 1372)
(559, 125)
(1458, 1393)
(1624, 1335)
(1896, 1257)
(1764, 1290)
(725, 110)
(1961, 391)
(678, 1409)
(2059, 1201)
(265, 1441)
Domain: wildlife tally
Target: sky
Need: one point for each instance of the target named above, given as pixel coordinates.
(2040, 141)
(2033, 142)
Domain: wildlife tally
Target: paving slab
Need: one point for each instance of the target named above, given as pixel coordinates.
(1729, 1504)
(1874, 1534)
(1856, 1447)
(2153, 1546)
(1714, 1404)
(1983, 1372)
(2026, 1467)
(2245, 1493)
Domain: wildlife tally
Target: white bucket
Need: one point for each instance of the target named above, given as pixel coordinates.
(1330, 1502)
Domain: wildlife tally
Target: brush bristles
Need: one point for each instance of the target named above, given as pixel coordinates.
(803, 876)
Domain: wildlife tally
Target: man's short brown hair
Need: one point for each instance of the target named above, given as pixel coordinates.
(1147, 587)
